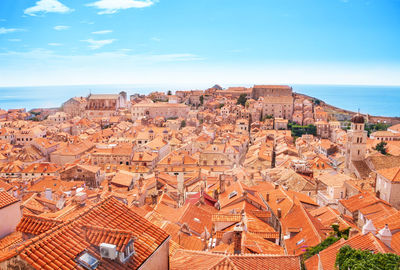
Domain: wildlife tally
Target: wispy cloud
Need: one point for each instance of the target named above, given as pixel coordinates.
(9, 30)
(87, 22)
(156, 39)
(113, 6)
(115, 56)
(102, 32)
(61, 27)
(14, 39)
(176, 57)
(97, 44)
(54, 44)
(47, 6)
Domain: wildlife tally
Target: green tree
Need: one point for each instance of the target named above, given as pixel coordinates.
(381, 147)
(183, 124)
(316, 101)
(201, 99)
(356, 259)
(169, 93)
(242, 99)
(333, 238)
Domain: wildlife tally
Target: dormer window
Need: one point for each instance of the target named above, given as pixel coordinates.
(128, 252)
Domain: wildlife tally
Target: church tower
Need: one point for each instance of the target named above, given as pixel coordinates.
(356, 141)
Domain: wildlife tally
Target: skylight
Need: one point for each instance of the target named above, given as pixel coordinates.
(299, 242)
(232, 194)
(88, 261)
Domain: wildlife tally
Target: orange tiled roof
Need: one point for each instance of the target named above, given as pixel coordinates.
(359, 201)
(392, 174)
(199, 260)
(59, 247)
(226, 218)
(363, 242)
(6, 199)
(36, 225)
(97, 235)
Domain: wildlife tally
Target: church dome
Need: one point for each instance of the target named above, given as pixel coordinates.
(357, 119)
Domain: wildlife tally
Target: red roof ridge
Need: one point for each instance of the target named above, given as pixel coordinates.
(41, 218)
(35, 239)
(105, 229)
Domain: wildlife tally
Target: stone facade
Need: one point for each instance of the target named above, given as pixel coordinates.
(153, 110)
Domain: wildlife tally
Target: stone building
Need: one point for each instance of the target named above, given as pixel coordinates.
(153, 110)
(277, 100)
(75, 106)
(105, 105)
(91, 175)
(356, 144)
(388, 185)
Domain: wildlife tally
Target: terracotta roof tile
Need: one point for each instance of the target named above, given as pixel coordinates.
(60, 245)
(6, 199)
(36, 225)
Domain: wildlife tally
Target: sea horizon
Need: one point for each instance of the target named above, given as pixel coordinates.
(378, 100)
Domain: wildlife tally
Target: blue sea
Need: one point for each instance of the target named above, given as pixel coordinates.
(375, 100)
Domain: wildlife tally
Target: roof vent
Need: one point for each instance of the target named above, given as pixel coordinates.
(108, 251)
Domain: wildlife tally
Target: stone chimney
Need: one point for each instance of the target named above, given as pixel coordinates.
(353, 232)
(385, 235)
(237, 239)
(267, 197)
(222, 183)
(368, 228)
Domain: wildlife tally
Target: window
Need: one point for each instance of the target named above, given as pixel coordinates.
(88, 261)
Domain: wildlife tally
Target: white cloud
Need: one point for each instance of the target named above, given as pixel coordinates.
(112, 6)
(156, 39)
(176, 57)
(47, 6)
(54, 44)
(61, 27)
(14, 39)
(9, 30)
(102, 32)
(97, 44)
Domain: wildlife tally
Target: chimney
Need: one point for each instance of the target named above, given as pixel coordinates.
(276, 186)
(368, 228)
(222, 183)
(48, 194)
(385, 235)
(267, 197)
(180, 181)
(279, 213)
(352, 232)
(237, 239)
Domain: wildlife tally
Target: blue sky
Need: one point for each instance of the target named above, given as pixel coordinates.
(61, 42)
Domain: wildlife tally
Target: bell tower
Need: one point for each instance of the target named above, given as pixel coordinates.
(356, 141)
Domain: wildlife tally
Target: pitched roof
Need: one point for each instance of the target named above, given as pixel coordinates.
(96, 235)
(6, 199)
(36, 225)
(363, 242)
(200, 260)
(392, 174)
(60, 246)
